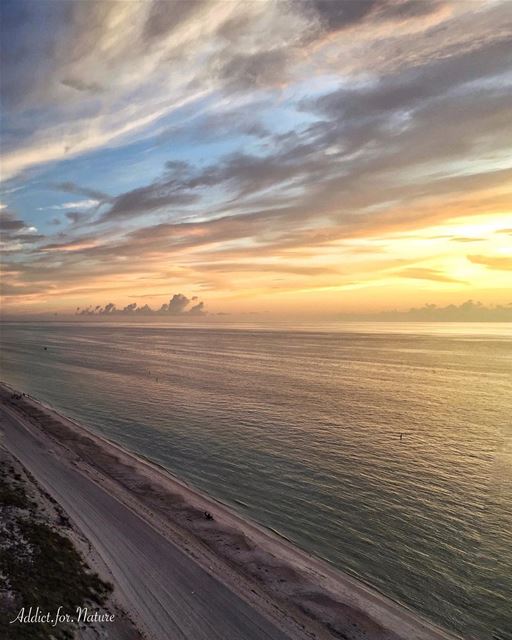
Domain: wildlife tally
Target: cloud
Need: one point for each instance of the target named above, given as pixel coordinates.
(82, 85)
(468, 311)
(182, 184)
(197, 309)
(268, 267)
(214, 47)
(500, 263)
(432, 113)
(15, 233)
(465, 239)
(82, 96)
(405, 9)
(160, 21)
(78, 244)
(79, 204)
(146, 199)
(178, 305)
(71, 187)
(243, 72)
(249, 141)
(427, 274)
(411, 88)
(9, 222)
(338, 15)
(76, 216)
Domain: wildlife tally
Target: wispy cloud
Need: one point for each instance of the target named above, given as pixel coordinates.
(78, 204)
(249, 148)
(427, 274)
(501, 263)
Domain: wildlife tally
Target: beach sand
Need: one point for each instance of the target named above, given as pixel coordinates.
(179, 574)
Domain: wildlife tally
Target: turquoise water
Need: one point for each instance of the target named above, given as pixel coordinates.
(300, 429)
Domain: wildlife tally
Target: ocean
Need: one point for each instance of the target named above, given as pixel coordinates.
(298, 427)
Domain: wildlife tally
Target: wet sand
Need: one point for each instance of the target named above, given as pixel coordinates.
(180, 574)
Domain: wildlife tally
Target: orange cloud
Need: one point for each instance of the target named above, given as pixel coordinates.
(500, 263)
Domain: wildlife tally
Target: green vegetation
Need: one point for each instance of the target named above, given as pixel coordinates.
(12, 491)
(13, 496)
(41, 567)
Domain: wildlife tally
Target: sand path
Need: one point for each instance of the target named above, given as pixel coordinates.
(169, 594)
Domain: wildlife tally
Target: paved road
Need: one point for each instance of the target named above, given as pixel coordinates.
(173, 596)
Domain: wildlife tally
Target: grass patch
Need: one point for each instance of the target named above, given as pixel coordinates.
(13, 494)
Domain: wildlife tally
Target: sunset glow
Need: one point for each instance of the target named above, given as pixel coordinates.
(285, 159)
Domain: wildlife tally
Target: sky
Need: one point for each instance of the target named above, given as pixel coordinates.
(289, 158)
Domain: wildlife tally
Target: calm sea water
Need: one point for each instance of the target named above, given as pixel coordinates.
(299, 428)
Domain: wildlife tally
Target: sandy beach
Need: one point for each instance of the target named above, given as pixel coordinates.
(183, 575)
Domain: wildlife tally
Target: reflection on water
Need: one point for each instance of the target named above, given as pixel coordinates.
(303, 427)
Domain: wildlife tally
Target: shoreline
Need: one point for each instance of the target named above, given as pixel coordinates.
(306, 594)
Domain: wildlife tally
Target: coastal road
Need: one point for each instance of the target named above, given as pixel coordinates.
(169, 594)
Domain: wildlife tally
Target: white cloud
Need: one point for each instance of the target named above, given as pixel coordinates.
(80, 204)
(94, 88)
